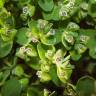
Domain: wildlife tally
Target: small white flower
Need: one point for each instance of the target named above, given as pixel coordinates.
(28, 50)
(84, 38)
(72, 25)
(22, 50)
(62, 73)
(25, 10)
(7, 31)
(48, 53)
(42, 24)
(63, 13)
(29, 34)
(34, 39)
(39, 73)
(71, 4)
(69, 38)
(80, 48)
(51, 32)
(84, 6)
(58, 60)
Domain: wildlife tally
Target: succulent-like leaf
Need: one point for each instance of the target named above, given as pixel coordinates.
(46, 5)
(54, 15)
(53, 74)
(5, 48)
(11, 87)
(86, 86)
(21, 36)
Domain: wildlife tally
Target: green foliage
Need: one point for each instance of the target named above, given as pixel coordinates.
(86, 86)
(46, 5)
(5, 48)
(47, 47)
(11, 87)
(1, 3)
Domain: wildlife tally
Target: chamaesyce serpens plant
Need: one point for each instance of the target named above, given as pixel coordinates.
(47, 47)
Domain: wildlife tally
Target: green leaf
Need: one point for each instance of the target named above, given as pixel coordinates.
(64, 74)
(5, 48)
(34, 91)
(18, 71)
(92, 53)
(41, 51)
(5, 75)
(10, 21)
(86, 86)
(7, 34)
(52, 40)
(48, 41)
(21, 36)
(31, 10)
(26, 52)
(12, 87)
(34, 63)
(44, 76)
(23, 2)
(54, 15)
(64, 69)
(53, 74)
(1, 3)
(91, 8)
(45, 52)
(33, 27)
(46, 5)
(24, 82)
(73, 26)
(74, 55)
(91, 42)
(31, 50)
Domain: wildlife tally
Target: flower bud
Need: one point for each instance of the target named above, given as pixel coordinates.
(18, 70)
